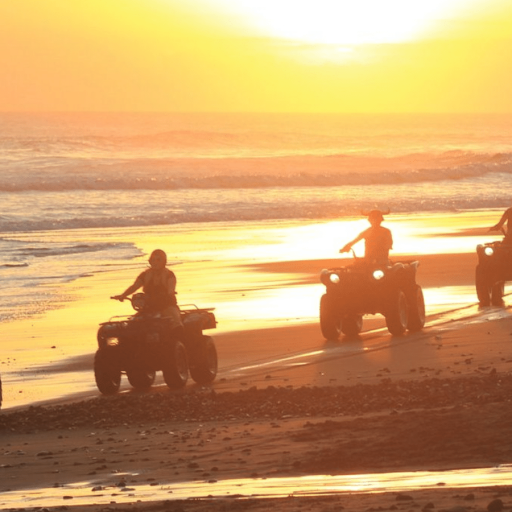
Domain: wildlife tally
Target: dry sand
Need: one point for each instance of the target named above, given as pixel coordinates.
(436, 400)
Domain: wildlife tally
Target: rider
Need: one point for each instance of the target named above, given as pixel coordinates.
(378, 240)
(159, 286)
(505, 218)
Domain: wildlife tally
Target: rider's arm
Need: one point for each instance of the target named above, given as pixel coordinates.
(133, 288)
(502, 221)
(348, 246)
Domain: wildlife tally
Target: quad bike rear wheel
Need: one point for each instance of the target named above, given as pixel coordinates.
(204, 369)
(175, 367)
(497, 292)
(416, 316)
(106, 372)
(330, 321)
(396, 316)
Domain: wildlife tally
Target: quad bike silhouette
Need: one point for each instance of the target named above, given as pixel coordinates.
(360, 288)
(494, 268)
(144, 343)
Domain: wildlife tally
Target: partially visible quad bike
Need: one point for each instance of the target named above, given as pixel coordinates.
(1, 392)
(359, 289)
(493, 269)
(142, 344)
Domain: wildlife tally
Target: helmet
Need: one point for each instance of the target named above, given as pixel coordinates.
(158, 254)
(376, 214)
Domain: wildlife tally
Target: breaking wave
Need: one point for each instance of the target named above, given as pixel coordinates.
(242, 173)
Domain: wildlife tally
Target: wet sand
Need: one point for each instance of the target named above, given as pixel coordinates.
(414, 414)
(435, 400)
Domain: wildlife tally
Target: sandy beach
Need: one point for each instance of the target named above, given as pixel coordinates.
(252, 142)
(436, 400)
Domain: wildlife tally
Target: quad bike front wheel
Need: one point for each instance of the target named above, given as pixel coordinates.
(106, 372)
(140, 379)
(204, 369)
(483, 286)
(330, 322)
(175, 366)
(396, 316)
(488, 290)
(416, 316)
(351, 325)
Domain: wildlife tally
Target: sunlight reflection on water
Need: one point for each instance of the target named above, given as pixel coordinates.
(83, 494)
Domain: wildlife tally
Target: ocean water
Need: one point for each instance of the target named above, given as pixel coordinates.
(63, 177)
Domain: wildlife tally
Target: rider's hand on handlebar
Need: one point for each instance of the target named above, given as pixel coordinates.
(346, 248)
(120, 298)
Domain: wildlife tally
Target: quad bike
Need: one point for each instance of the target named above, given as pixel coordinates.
(0, 392)
(359, 289)
(493, 269)
(144, 343)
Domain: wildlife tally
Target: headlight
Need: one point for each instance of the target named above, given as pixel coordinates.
(106, 331)
(334, 278)
(378, 275)
(489, 251)
(138, 301)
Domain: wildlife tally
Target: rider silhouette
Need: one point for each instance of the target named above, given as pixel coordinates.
(378, 240)
(505, 218)
(159, 286)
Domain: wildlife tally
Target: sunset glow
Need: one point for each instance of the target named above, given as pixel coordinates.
(258, 56)
(345, 22)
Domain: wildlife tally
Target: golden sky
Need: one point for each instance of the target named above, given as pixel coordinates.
(256, 55)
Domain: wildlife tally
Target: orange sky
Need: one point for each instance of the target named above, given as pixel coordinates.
(256, 55)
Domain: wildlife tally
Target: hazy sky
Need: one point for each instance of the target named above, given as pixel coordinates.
(256, 55)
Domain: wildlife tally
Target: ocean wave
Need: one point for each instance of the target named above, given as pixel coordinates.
(21, 253)
(149, 208)
(252, 173)
(55, 250)
(36, 267)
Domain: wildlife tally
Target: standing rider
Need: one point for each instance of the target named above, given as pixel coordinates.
(159, 286)
(378, 240)
(505, 218)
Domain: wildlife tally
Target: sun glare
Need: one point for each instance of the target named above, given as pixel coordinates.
(344, 21)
